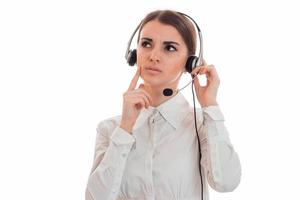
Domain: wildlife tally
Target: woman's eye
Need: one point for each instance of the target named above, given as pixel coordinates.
(145, 44)
(170, 48)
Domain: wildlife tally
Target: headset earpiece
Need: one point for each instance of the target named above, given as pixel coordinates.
(131, 58)
(191, 63)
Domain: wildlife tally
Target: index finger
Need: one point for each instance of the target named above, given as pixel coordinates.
(134, 80)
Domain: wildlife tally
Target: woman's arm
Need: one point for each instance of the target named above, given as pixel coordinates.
(219, 159)
(110, 157)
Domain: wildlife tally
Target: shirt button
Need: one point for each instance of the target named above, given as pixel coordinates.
(151, 120)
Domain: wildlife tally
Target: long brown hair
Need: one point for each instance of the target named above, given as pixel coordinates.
(183, 25)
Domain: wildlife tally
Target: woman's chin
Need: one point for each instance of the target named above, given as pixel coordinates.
(156, 82)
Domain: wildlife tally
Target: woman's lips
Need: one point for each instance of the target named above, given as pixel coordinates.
(153, 70)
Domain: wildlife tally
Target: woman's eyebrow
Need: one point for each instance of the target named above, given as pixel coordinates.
(148, 39)
(165, 42)
(171, 42)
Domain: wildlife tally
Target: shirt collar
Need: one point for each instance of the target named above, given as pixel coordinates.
(173, 111)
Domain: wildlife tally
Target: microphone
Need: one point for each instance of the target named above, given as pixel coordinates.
(168, 91)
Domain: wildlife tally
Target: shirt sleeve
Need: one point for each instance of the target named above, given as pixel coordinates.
(109, 161)
(219, 159)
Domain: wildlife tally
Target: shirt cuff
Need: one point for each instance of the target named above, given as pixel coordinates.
(214, 113)
(122, 137)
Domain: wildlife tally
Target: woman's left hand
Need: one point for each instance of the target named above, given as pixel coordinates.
(207, 95)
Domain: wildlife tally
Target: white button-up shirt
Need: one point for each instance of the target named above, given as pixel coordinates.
(160, 159)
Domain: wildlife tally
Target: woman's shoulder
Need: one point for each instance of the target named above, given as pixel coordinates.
(199, 111)
(190, 114)
(109, 124)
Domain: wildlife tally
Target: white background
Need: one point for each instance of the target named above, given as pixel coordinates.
(62, 70)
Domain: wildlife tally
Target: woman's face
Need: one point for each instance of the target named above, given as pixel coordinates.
(161, 54)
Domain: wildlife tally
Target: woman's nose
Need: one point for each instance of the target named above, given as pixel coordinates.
(155, 55)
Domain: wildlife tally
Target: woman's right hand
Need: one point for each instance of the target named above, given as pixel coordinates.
(133, 102)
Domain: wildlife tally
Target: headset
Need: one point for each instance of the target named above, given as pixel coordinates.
(192, 60)
(191, 63)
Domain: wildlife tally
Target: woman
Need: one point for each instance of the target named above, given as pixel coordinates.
(151, 150)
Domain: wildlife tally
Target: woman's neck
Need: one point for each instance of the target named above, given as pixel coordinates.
(157, 95)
